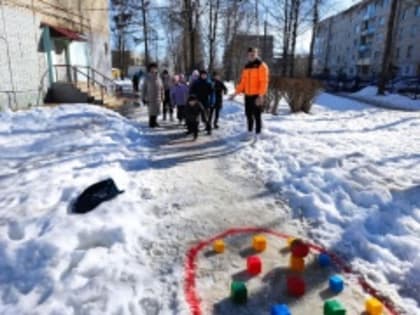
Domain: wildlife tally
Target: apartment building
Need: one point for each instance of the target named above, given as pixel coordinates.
(36, 35)
(352, 42)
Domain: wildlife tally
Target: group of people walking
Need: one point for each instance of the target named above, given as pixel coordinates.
(201, 98)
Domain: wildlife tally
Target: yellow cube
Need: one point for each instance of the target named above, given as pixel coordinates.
(374, 306)
(297, 264)
(259, 243)
(219, 246)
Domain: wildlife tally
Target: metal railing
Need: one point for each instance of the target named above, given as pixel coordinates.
(72, 73)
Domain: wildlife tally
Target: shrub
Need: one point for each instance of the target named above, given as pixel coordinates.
(275, 94)
(299, 93)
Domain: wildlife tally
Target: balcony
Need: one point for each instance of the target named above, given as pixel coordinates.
(364, 61)
(368, 31)
(365, 47)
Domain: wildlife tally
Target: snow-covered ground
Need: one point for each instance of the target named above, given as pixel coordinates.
(397, 101)
(351, 174)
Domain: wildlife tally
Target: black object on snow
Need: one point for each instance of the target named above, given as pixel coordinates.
(96, 194)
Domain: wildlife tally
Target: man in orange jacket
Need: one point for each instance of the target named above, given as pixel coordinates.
(254, 84)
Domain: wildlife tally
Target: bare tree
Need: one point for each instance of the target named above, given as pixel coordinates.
(287, 19)
(295, 8)
(145, 30)
(214, 8)
(123, 28)
(387, 58)
(315, 21)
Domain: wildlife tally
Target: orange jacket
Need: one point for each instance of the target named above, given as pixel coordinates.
(254, 79)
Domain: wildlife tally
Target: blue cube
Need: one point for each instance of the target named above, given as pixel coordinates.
(336, 284)
(324, 260)
(280, 309)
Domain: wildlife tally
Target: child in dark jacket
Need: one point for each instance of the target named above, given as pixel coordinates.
(193, 111)
(203, 89)
(220, 90)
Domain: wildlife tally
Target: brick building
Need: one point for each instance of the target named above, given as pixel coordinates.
(35, 35)
(352, 42)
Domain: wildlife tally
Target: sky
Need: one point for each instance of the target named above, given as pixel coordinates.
(338, 6)
(303, 41)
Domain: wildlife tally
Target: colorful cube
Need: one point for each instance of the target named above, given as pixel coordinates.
(295, 286)
(324, 260)
(259, 243)
(254, 265)
(238, 292)
(333, 307)
(299, 248)
(219, 246)
(374, 307)
(290, 241)
(297, 264)
(280, 309)
(336, 284)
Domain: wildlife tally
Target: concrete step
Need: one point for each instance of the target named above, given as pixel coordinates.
(62, 92)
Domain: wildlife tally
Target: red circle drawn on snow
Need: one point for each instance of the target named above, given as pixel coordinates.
(190, 266)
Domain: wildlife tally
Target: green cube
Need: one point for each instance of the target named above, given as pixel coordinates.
(238, 292)
(334, 307)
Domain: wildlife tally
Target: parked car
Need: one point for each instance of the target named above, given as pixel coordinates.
(399, 84)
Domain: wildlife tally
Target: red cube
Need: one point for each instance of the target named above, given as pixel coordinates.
(295, 286)
(254, 265)
(299, 248)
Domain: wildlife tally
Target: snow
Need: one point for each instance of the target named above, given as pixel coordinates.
(349, 172)
(396, 101)
(353, 173)
(125, 85)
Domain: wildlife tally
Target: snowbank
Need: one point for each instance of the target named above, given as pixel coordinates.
(396, 101)
(350, 172)
(353, 174)
(53, 262)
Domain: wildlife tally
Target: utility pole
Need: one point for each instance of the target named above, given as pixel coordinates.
(146, 48)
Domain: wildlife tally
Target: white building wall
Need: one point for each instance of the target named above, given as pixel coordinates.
(100, 53)
(21, 65)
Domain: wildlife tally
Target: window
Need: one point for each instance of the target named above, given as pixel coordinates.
(371, 10)
(407, 69)
(413, 30)
(382, 21)
(401, 33)
(385, 3)
(409, 51)
(357, 28)
(403, 14)
(397, 54)
(376, 55)
(417, 12)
